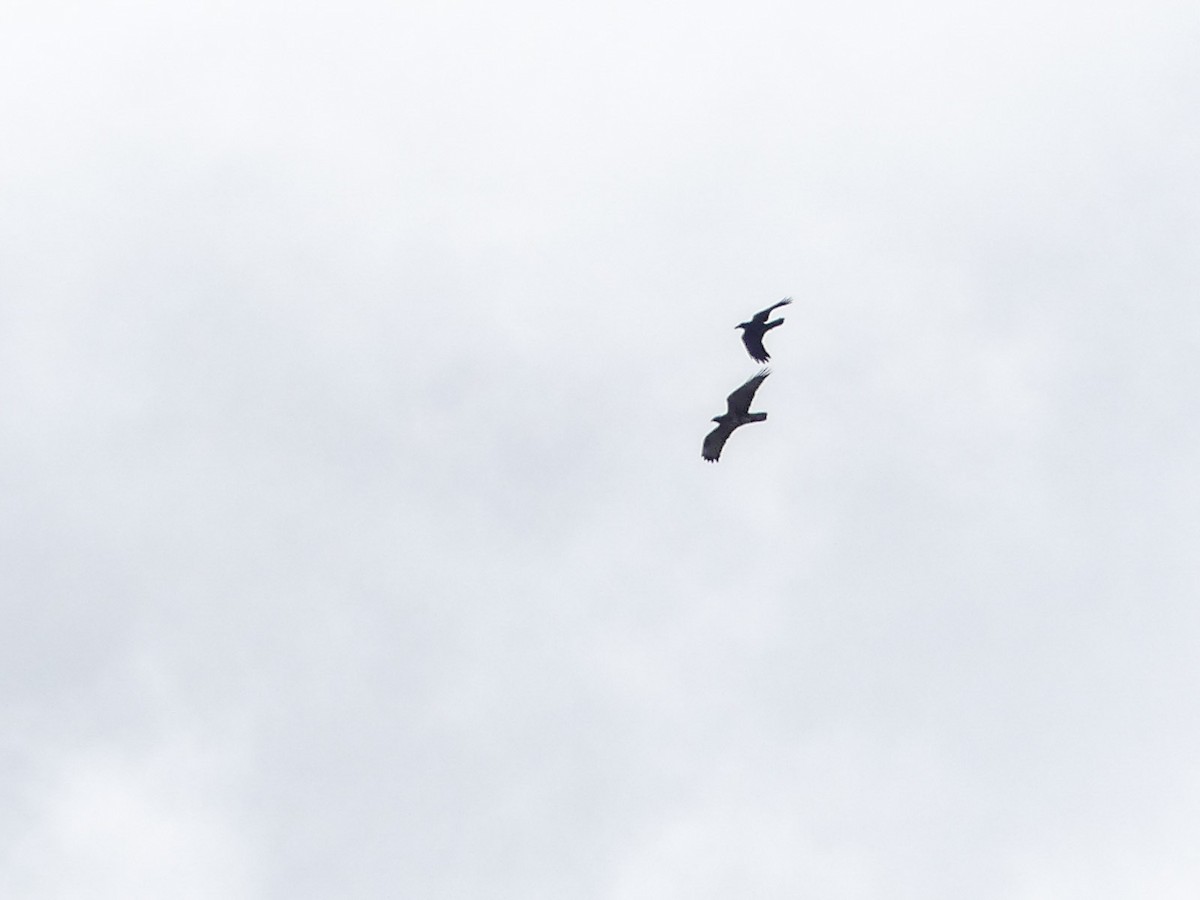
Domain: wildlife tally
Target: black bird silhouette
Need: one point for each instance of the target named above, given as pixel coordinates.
(753, 331)
(738, 414)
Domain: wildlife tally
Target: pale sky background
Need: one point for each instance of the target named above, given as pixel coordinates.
(355, 360)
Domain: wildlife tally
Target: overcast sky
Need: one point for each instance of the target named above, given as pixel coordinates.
(355, 360)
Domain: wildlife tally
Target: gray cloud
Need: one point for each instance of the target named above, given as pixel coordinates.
(354, 366)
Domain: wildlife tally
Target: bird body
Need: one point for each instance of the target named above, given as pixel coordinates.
(753, 331)
(736, 415)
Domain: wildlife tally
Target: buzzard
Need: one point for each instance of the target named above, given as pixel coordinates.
(738, 413)
(753, 331)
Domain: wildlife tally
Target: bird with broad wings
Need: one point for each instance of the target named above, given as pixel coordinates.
(753, 331)
(737, 414)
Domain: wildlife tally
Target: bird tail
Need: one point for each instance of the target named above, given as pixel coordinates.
(756, 417)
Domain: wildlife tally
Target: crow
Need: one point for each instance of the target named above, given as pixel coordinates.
(753, 331)
(738, 414)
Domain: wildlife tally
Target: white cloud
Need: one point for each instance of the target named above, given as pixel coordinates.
(354, 365)
(123, 822)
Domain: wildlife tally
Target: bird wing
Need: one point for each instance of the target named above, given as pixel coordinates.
(754, 345)
(715, 440)
(739, 401)
(762, 316)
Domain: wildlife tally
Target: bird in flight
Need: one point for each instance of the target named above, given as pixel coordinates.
(737, 414)
(753, 331)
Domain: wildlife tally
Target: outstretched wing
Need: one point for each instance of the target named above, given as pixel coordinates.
(762, 316)
(739, 401)
(714, 441)
(754, 345)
